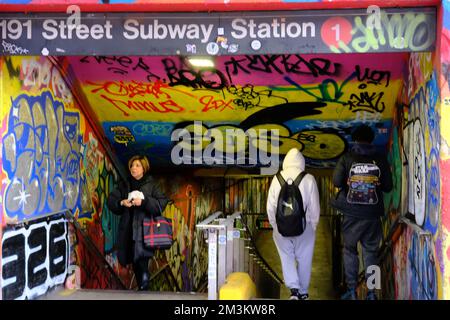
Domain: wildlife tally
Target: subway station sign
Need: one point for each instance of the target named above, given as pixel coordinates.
(230, 33)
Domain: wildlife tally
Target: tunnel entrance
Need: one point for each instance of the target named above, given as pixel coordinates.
(86, 91)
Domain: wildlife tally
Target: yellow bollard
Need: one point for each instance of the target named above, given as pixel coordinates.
(238, 286)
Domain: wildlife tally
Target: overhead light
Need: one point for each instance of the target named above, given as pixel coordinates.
(205, 62)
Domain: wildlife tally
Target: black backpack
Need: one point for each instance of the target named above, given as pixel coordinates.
(290, 215)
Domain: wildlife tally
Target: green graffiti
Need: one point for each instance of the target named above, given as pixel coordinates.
(399, 31)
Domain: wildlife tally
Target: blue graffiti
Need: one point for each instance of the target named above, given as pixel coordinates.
(423, 269)
(41, 157)
(423, 104)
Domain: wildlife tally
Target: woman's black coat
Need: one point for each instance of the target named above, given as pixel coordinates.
(130, 225)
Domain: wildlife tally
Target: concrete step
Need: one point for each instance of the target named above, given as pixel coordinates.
(98, 294)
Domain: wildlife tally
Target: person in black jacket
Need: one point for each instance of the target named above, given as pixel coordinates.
(362, 175)
(135, 198)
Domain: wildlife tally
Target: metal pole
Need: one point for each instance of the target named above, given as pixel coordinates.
(212, 264)
(222, 264)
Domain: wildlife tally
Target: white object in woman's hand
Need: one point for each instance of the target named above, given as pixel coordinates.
(135, 195)
(137, 202)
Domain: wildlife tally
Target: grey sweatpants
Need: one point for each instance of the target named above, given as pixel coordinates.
(296, 255)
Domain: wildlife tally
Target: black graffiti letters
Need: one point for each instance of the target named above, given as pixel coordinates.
(34, 259)
(374, 76)
(282, 64)
(208, 79)
(122, 65)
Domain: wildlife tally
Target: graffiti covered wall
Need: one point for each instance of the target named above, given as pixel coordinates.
(53, 161)
(194, 198)
(417, 259)
(444, 158)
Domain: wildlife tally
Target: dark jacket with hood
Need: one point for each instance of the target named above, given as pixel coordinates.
(361, 152)
(130, 225)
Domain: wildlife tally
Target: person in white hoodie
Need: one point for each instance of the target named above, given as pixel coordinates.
(296, 253)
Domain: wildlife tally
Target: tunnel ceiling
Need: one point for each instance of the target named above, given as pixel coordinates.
(314, 100)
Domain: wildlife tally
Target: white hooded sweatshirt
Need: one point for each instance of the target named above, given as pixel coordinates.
(293, 164)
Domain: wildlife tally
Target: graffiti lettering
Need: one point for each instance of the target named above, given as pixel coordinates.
(209, 79)
(122, 65)
(328, 90)
(41, 157)
(132, 89)
(210, 103)
(314, 144)
(419, 173)
(373, 77)
(365, 102)
(34, 259)
(166, 106)
(152, 129)
(403, 31)
(281, 64)
(248, 97)
(13, 49)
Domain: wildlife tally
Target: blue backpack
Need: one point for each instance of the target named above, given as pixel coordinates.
(290, 215)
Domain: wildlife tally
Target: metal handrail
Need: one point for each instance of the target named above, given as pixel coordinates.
(205, 224)
(258, 254)
(69, 215)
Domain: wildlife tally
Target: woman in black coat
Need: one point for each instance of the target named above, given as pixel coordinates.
(134, 199)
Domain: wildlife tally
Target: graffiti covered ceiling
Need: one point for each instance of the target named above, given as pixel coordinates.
(313, 101)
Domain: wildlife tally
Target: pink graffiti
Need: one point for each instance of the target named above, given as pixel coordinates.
(240, 70)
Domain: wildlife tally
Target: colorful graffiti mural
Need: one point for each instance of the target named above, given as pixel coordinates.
(312, 100)
(415, 268)
(193, 201)
(52, 161)
(423, 130)
(418, 263)
(444, 160)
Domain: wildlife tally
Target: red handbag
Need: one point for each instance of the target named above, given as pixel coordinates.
(158, 233)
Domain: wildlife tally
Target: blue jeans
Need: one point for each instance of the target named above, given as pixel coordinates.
(369, 233)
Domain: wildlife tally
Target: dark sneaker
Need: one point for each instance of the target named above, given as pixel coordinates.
(371, 295)
(294, 294)
(349, 295)
(303, 296)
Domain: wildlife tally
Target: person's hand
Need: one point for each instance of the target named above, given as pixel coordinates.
(126, 203)
(137, 202)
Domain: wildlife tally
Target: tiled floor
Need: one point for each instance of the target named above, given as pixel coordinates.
(321, 286)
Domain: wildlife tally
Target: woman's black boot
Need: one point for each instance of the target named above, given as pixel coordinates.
(142, 276)
(145, 280)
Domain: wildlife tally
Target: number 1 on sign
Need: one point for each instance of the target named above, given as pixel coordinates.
(337, 29)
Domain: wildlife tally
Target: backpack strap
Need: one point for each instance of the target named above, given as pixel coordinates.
(299, 178)
(281, 179)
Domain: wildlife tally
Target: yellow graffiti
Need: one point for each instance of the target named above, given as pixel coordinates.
(445, 133)
(188, 104)
(228, 139)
